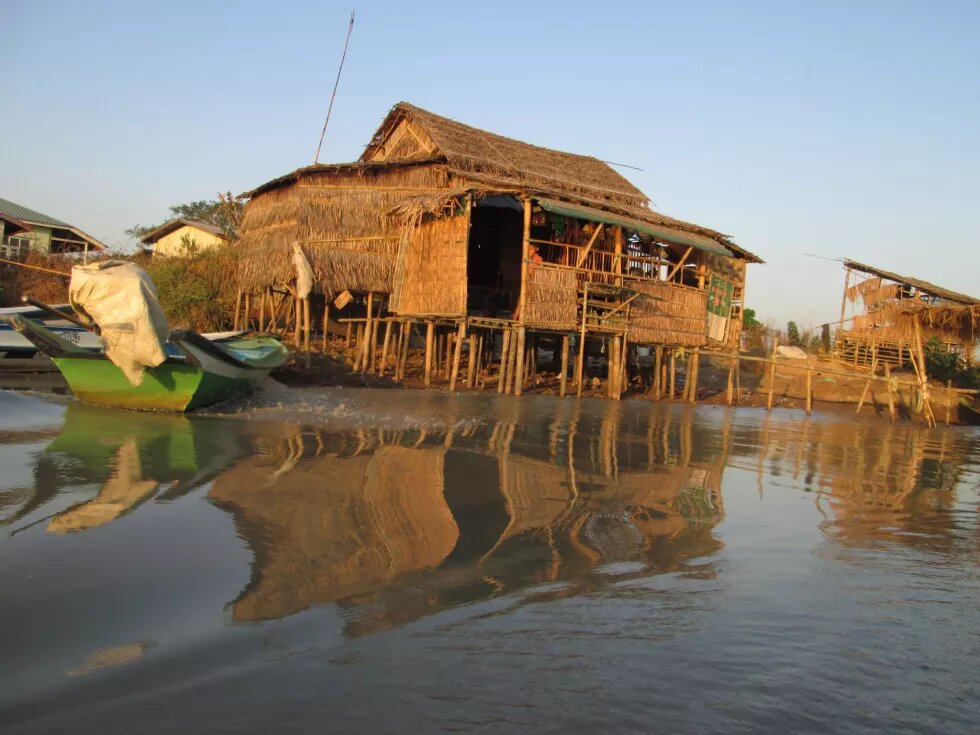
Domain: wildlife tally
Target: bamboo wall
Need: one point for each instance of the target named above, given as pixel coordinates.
(431, 268)
(676, 316)
(551, 301)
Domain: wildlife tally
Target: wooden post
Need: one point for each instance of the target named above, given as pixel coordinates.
(563, 379)
(366, 346)
(729, 386)
(673, 373)
(658, 358)
(449, 344)
(326, 323)
(525, 254)
(580, 363)
(924, 377)
(238, 309)
(519, 362)
(350, 327)
(867, 386)
(477, 376)
(950, 400)
(738, 381)
(406, 344)
(471, 362)
(504, 357)
(306, 329)
(891, 398)
(262, 310)
(248, 311)
(461, 335)
(430, 338)
(618, 247)
(612, 353)
(298, 322)
(693, 374)
(772, 373)
(809, 386)
(384, 350)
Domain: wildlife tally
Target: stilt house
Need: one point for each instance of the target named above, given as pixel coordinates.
(450, 223)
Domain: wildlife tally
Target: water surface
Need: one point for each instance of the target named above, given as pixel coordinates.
(380, 561)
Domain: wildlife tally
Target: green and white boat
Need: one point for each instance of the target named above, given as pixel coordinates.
(197, 371)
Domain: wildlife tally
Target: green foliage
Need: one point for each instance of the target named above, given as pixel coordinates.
(749, 319)
(793, 334)
(197, 291)
(224, 212)
(941, 364)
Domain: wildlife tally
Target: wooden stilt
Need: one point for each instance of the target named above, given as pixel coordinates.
(326, 324)
(624, 369)
(384, 350)
(614, 371)
(262, 300)
(248, 312)
(891, 397)
(405, 345)
(457, 354)
(471, 361)
(504, 358)
(479, 360)
(430, 339)
(450, 352)
(673, 373)
(563, 378)
(519, 362)
(772, 373)
(867, 386)
(350, 327)
(809, 385)
(738, 382)
(306, 329)
(238, 309)
(950, 400)
(298, 322)
(359, 347)
(694, 375)
(658, 359)
(729, 386)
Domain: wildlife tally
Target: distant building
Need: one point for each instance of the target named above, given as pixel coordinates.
(183, 236)
(24, 230)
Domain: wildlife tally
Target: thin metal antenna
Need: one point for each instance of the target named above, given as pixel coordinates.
(824, 257)
(343, 56)
(624, 165)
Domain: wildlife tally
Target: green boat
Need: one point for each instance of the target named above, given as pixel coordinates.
(197, 372)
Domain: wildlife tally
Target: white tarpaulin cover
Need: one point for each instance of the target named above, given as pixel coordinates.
(790, 353)
(304, 273)
(121, 299)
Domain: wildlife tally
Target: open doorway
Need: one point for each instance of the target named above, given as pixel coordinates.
(493, 264)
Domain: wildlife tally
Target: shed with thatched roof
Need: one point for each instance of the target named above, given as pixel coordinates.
(891, 313)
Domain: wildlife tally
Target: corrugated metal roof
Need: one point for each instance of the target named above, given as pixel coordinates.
(25, 214)
(165, 229)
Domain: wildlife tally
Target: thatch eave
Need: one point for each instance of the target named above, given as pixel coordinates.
(918, 283)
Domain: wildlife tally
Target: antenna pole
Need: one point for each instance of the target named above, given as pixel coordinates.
(343, 56)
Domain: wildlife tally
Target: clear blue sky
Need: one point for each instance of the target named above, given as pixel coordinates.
(797, 127)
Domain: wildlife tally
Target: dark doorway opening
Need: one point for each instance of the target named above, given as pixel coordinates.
(493, 265)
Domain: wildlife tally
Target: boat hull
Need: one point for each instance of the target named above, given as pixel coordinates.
(171, 386)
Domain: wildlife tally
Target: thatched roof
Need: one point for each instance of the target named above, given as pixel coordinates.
(477, 160)
(507, 162)
(925, 286)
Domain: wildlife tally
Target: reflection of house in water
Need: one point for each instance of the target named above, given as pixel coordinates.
(873, 481)
(397, 526)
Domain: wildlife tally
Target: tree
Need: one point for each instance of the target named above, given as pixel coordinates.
(748, 319)
(224, 212)
(793, 334)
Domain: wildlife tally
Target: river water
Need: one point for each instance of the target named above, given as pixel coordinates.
(388, 561)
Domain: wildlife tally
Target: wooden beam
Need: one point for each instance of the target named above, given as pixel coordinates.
(471, 362)
(384, 350)
(519, 362)
(585, 253)
(563, 378)
(680, 262)
(430, 338)
(525, 254)
(504, 356)
(580, 363)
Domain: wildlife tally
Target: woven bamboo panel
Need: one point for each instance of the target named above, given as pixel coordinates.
(552, 298)
(676, 315)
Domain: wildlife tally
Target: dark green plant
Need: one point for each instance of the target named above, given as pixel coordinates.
(749, 319)
(793, 334)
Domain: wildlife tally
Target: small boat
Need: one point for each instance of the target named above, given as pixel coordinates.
(13, 344)
(197, 371)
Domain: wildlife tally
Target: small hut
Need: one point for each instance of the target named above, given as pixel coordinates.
(452, 225)
(885, 316)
